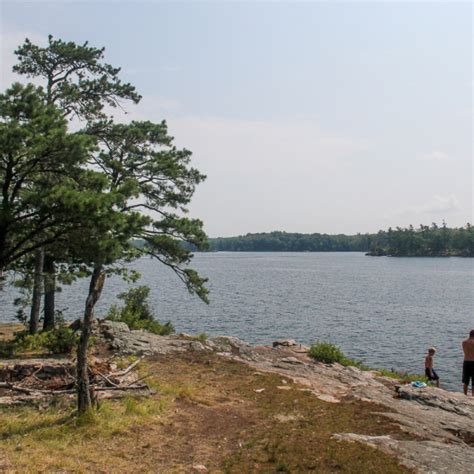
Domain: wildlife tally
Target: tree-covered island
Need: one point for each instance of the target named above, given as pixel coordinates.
(429, 241)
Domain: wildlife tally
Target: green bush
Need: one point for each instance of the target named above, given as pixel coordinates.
(136, 312)
(327, 353)
(330, 353)
(60, 340)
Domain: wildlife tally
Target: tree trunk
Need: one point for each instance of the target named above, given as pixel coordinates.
(37, 290)
(49, 293)
(84, 399)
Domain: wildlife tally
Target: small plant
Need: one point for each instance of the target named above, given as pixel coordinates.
(327, 353)
(136, 312)
(330, 353)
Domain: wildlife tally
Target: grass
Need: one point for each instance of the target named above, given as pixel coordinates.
(205, 411)
(124, 362)
(60, 422)
(57, 439)
(402, 376)
(201, 337)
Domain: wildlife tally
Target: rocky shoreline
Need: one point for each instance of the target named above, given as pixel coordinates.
(439, 424)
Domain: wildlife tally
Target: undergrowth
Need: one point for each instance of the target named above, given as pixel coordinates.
(60, 340)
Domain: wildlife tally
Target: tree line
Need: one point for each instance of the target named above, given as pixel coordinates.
(78, 187)
(431, 240)
(291, 242)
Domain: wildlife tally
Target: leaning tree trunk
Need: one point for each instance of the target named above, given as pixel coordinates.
(84, 399)
(37, 290)
(49, 293)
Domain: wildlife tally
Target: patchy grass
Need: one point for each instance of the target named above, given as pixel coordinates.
(201, 337)
(402, 376)
(124, 362)
(205, 411)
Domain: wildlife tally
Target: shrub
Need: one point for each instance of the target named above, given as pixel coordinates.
(330, 353)
(136, 312)
(60, 340)
(327, 353)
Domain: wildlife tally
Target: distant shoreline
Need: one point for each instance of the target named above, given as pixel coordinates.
(368, 254)
(425, 241)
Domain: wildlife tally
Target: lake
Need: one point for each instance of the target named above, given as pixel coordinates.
(384, 311)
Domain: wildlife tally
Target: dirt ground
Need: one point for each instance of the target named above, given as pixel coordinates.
(208, 414)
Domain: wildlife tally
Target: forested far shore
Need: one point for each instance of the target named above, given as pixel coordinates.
(433, 241)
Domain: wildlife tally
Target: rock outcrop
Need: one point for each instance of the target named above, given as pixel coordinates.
(440, 423)
(124, 341)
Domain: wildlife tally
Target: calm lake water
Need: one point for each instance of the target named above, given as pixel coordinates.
(384, 311)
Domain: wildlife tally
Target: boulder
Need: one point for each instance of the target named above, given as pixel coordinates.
(284, 342)
(113, 329)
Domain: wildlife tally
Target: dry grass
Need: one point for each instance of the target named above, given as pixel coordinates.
(7, 331)
(205, 411)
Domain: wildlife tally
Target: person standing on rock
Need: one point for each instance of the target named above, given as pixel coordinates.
(429, 366)
(468, 365)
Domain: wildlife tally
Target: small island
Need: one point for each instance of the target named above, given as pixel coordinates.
(426, 241)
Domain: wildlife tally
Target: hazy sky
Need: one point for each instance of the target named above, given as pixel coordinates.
(306, 117)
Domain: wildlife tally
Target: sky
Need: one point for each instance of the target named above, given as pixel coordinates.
(331, 117)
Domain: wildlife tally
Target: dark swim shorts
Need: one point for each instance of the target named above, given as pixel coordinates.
(428, 374)
(468, 371)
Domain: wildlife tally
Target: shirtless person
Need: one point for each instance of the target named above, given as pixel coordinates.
(468, 366)
(429, 366)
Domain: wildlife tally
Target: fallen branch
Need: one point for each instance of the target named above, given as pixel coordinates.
(17, 388)
(107, 379)
(128, 369)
